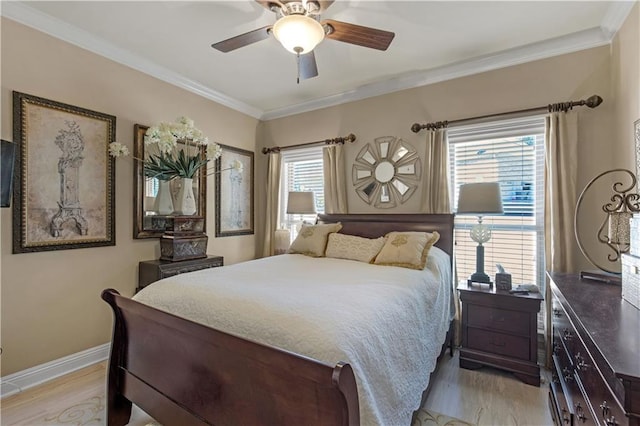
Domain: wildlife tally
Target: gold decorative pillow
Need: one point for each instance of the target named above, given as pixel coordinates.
(312, 239)
(342, 246)
(407, 249)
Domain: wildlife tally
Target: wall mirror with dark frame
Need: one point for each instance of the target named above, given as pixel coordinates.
(147, 222)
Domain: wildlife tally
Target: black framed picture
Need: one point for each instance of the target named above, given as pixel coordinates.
(234, 192)
(7, 161)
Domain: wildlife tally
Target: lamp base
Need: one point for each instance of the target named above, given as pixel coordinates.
(479, 279)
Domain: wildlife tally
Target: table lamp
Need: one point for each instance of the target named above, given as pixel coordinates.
(480, 199)
(300, 202)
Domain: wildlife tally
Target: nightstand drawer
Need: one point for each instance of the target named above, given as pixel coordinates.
(498, 319)
(498, 343)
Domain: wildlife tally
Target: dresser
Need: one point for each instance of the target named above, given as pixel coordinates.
(499, 329)
(154, 270)
(596, 354)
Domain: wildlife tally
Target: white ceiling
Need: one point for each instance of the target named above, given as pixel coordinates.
(435, 41)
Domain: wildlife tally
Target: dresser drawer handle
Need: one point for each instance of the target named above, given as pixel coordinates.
(566, 334)
(556, 312)
(497, 343)
(611, 421)
(605, 409)
(568, 376)
(580, 412)
(580, 364)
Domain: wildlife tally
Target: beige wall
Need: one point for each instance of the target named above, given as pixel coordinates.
(567, 77)
(51, 304)
(50, 300)
(626, 86)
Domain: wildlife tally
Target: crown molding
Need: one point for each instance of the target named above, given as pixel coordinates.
(26, 15)
(586, 39)
(615, 17)
(594, 37)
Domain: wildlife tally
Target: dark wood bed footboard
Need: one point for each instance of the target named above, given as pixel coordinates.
(184, 373)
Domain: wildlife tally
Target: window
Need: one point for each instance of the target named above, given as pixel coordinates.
(512, 153)
(301, 171)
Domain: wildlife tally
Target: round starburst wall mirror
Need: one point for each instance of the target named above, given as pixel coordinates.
(386, 172)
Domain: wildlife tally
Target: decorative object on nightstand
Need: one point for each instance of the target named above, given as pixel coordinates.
(150, 271)
(503, 279)
(615, 231)
(499, 330)
(480, 199)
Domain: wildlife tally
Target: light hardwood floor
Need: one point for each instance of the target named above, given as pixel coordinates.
(482, 397)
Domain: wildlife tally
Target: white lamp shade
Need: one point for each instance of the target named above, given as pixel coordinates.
(298, 32)
(480, 199)
(301, 203)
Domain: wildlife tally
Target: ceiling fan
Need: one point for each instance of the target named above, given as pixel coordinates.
(299, 30)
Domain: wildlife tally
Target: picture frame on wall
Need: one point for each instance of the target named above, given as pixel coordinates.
(234, 192)
(7, 161)
(64, 188)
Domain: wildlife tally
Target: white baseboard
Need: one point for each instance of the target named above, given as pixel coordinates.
(25, 379)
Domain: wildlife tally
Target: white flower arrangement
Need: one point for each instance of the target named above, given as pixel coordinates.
(175, 160)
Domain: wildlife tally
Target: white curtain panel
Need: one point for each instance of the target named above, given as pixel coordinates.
(273, 198)
(560, 193)
(435, 180)
(335, 180)
(561, 174)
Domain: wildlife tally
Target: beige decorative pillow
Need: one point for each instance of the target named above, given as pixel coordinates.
(342, 246)
(312, 239)
(407, 249)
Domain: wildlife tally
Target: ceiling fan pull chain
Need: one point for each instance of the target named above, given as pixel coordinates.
(298, 49)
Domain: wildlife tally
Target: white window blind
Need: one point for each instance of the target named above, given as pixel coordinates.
(510, 152)
(302, 171)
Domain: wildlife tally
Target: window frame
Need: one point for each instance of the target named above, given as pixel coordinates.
(494, 130)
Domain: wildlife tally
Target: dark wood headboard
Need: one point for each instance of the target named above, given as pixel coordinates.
(377, 225)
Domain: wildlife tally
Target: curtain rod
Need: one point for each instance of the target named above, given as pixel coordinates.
(591, 102)
(341, 140)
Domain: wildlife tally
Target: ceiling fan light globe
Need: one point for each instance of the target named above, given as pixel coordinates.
(298, 33)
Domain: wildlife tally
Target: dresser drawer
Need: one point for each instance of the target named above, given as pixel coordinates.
(604, 404)
(498, 319)
(498, 343)
(562, 411)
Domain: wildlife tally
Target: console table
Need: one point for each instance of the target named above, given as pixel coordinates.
(154, 270)
(596, 354)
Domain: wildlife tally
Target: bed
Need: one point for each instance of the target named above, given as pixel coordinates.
(203, 356)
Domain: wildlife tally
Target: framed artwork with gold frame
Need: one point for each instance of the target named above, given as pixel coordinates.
(64, 185)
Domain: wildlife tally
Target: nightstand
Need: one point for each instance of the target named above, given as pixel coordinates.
(154, 270)
(499, 329)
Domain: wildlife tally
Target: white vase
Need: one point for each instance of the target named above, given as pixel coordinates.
(164, 203)
(185, 200)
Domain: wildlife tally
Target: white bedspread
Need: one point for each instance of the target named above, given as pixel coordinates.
(388, 323)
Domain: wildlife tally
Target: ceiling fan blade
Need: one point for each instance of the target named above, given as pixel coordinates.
(308, 66)
(242, 40)
(357, 34)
